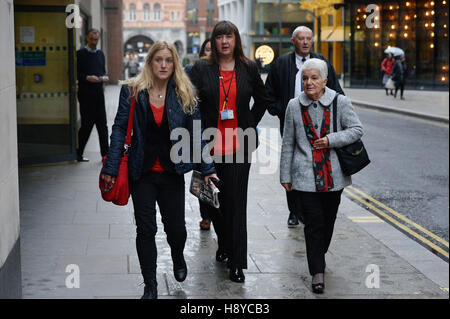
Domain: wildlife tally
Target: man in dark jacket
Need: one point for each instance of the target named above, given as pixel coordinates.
(284, 83)
(399, 74)
(91, 74)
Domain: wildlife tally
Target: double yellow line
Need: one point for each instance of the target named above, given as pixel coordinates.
(389, 215)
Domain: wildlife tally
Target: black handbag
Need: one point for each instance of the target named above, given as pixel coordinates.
(352, 157)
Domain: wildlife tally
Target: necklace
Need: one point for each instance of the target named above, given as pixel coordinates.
(159, 96)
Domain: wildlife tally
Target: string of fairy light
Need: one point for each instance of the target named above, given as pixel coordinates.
(409, 22)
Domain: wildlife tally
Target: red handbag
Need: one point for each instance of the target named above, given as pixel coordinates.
(119, 192)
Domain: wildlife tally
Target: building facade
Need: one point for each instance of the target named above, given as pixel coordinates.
(147, 21)
(420, 28)
(265, 22)
(201, 16)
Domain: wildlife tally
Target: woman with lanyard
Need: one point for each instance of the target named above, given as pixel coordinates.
(225, 83)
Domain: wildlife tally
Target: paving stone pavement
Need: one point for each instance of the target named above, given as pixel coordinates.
(65, 222)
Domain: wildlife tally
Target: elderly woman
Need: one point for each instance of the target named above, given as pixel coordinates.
(309, 164)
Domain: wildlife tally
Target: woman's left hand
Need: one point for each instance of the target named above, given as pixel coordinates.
(207, 181)
(321, 143)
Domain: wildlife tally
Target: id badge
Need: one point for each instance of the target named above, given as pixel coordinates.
(226, 115)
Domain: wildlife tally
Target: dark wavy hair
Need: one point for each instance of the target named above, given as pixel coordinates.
(203, 48)
(227, 27)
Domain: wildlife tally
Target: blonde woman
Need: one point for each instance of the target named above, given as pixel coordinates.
(165, 100)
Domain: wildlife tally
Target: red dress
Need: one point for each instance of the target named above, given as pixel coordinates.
(158, 115)
(227, 141)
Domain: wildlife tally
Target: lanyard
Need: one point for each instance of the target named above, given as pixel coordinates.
(225, 103)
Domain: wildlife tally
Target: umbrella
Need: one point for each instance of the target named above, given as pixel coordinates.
(395, 51)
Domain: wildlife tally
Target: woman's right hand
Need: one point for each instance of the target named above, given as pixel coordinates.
(108, 178)
(287, 186)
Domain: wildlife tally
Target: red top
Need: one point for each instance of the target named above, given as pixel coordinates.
(229, 143)
(387, 66)
(158, 115)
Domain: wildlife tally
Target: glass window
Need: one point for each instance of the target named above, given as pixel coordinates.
(192, 12)
(146, 12)
(441, 44)
(132, 12)
(210, 17)
(157, 12)
(210, 10)
(193, 43)
(268, 15)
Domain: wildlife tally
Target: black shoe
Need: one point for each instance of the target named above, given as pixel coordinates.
(292, 220)
(221, 256)
(150, 290)
(237, 275)
(80, 158)
(180, 270)
(319, 286)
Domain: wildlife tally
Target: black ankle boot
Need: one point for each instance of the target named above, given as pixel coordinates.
(179, 268)
(150, 290)
(237, 275)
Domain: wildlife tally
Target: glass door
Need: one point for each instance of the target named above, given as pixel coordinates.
(44, 85)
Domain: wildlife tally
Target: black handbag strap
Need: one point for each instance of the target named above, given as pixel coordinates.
(335, 112)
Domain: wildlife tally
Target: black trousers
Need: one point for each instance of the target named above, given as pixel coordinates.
(168, 191)
(206, 211)
(319, 213)
(92, 111)
(230, 222)
(401, 86)
(294, 204)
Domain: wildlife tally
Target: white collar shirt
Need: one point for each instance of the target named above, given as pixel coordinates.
(298, 77)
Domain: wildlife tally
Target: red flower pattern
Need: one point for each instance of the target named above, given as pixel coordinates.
(321, 158)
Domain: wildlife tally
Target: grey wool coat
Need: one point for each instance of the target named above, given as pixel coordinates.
(296, 163)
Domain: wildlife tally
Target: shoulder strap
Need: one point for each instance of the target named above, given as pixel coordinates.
(335, 112)
(130, 122)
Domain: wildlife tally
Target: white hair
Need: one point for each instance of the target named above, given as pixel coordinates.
(301, 28)
(316, 64)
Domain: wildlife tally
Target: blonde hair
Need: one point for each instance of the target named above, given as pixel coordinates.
(183, 86)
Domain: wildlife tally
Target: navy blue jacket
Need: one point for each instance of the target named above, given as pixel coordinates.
(176, 118)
